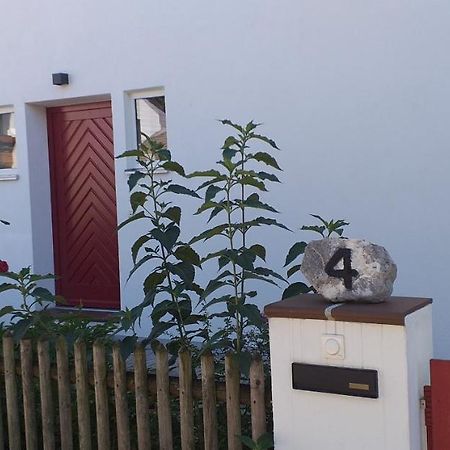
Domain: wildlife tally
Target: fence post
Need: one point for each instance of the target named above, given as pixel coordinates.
(101, 396)
(64, 401)
(47, 411)
(81, 381)
(29, 404)
(209, 402)
(141, 393)
(163, 399)
(257, 397)
(232, 381)
(186, 402)
(12, 403)
(120, 395)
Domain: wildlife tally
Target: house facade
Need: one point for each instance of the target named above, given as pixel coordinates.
(357, 96)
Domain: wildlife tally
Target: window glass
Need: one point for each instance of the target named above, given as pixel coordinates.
(151, 119)
(7, 140)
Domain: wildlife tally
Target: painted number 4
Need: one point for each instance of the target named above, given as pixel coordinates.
(347, 273)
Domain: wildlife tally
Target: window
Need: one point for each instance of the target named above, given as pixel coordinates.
(7, 140)
(151, 119)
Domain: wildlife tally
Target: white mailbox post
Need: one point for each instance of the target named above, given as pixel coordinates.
(389, 343)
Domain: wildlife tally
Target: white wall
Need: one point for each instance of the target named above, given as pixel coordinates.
(356, 93)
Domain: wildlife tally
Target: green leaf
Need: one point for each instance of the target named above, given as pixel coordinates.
(139, 215)
(296, 250)
(259, 251)
(248, 442)
(160, 328)
(134, 178)
(229, 141)
(211, 192)
(161, 309)
(214, 212)
(173, 213)
(266, 140)
(184, 270)
(214, 301)
(140, 263)
(268, 176)
(4, 222)
(250, 181)
(42, 294)
(153, 280)
(293, 269)
(168, 237)
(265, 441)
(177, 189)
(315, 228)
(212, 286)
(245, 260)
(231, 124)
(163, 154)
(205, 173)
(188, 254)
(137, 199)
(213, 181)
(266, 159)
(295, 289)
(208, 234)
(173, 166)
(252, 313)
(253, 201)
(7, 286)
(130, 153)
(20, 328)
(228, 154)
(127, 346)
(137, 246)
(207, 205)
(269, 273)
(6, 310)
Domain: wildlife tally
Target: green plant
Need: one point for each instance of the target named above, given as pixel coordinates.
(231, 192)
(325, 229)
(26, 318)
(169, 286)
(265, 442)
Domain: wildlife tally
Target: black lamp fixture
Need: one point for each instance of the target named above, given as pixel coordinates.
(60, 79)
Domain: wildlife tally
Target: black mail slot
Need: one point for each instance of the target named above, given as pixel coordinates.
(335, 380)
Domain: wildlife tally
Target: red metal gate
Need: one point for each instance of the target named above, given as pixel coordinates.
(84, 204)
(437, 410)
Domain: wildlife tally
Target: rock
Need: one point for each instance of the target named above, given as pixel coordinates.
(349, 270)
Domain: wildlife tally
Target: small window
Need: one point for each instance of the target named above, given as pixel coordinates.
(7, 140)
(151, 119)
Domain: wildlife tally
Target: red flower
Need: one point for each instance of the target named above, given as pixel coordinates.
(3, 266)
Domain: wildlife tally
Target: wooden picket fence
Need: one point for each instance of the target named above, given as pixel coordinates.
(55, 399)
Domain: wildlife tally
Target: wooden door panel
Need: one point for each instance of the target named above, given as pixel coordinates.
(84, 204)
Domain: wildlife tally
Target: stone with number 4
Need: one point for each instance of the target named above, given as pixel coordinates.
(349, 270)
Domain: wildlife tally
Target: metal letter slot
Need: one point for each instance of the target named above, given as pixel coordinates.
(335, 380)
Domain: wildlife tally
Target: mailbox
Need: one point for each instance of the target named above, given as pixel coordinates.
(335, 380)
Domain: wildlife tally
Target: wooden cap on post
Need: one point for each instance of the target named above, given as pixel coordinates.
(313, 306)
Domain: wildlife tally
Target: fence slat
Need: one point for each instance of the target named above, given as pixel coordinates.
(81, 382)
(142, 402)
(232, 381)
(257, 395)
(101, 396)
(120, 395)
(163, 399)
(29, 404)
(45, 386)
(64, 400)
(12, 402)
(209, 403)
(186, 402)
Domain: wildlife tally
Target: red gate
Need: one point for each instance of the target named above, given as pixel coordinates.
(437, 410)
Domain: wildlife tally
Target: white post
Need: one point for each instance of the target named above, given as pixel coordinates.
(394, 338)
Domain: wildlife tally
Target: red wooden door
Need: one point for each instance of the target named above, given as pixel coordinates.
(84, 204)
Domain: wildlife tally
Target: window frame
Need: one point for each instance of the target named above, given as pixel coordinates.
(10, 173)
